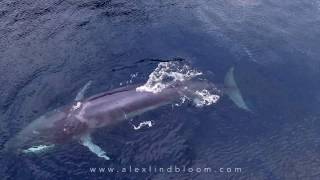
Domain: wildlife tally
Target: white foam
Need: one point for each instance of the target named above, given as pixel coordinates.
(76, 106)
(166, 74)
(205, 98)
(142, 124)
(132, 77)
(38, 149)
(183, 99)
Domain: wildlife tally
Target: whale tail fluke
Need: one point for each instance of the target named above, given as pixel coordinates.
(233, 92)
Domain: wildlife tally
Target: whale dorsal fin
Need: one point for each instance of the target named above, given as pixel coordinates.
(83, 90)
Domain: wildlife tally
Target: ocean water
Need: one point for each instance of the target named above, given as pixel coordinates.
(50, 49)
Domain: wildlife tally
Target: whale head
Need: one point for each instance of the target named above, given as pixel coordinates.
(54, 127)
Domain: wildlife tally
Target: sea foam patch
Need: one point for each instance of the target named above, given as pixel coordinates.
(205, 98)
(143, 124)
(168, 73)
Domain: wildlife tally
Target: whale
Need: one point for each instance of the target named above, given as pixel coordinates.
(77, 120)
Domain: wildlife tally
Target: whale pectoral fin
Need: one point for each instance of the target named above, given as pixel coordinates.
(82, 91)
(87, 141)
(233, 91)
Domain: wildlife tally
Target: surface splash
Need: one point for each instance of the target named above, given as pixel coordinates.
(205, 98)
(168, 73)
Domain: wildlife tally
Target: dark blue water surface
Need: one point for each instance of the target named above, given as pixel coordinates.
(50, 49)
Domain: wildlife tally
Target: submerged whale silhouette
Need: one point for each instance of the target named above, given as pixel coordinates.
(79, 119)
